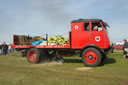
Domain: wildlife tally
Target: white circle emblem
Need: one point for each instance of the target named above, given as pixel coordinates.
(97, 38)
(76, 27)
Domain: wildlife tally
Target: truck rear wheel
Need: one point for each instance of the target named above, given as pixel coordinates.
(33, 55)
(91, 57)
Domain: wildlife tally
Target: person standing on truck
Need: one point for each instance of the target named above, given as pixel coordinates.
(5, 48)
(125, 48)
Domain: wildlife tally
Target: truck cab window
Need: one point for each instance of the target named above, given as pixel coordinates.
(86, 27)
(96, 27)
(100, 29)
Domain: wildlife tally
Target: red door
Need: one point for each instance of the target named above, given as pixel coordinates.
(98, 35)
(81, 36)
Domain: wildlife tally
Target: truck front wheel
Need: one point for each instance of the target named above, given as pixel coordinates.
(91, 57)
(33, 55)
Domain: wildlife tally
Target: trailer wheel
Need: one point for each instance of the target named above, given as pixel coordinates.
(91, 57)
(33, 55)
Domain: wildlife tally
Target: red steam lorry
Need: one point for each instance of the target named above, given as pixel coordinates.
(92, 45)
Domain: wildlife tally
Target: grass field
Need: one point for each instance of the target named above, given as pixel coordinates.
(15, 70)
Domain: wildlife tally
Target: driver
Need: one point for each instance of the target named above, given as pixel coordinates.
(95, 28)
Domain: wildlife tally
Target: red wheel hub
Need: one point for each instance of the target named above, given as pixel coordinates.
(32, 56)
(90, 57)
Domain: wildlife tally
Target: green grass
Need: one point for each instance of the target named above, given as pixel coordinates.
(15, 70)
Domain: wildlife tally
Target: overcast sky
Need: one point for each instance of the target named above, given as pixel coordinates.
(38, 17)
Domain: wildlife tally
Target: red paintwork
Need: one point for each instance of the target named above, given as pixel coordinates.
(32, 56)
(100, 34)
(93, 55)
(118, 47)
(81, 38)
(41, 46)
(78, 38)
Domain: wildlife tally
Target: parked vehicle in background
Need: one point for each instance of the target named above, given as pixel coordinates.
(118, 46)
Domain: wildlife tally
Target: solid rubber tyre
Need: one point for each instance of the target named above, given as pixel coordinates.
(91, 57)
(33, 55)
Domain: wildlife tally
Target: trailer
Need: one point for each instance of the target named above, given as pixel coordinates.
(88, 37)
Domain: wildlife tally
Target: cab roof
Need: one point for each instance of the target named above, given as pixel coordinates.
(90, 20)
(85, 20)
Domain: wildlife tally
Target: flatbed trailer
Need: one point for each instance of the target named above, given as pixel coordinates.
(42, 46)
(92, 44)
